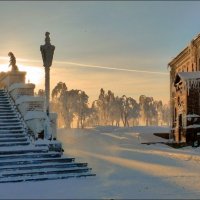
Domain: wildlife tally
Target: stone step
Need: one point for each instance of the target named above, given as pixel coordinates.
(4, 169)
(7, 114)
(11, 144)
(8, 117)
(44, 171)
(28, 161)
(25, 154)
(4, 103)
(12, 135)
(3, 99)
(3, 110)
(10, 123)
(9, 120)
(2, 96)
(11, 132)
(5, 106)
(13, 140)
(19, 127)
(46, 177)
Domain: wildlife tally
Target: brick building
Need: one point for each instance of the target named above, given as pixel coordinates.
(185, 93)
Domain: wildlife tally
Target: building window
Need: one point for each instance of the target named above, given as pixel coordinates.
(192, 67)
(199, 63)
(175, 114)
(179, 101)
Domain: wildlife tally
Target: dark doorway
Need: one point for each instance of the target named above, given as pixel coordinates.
(180, 127)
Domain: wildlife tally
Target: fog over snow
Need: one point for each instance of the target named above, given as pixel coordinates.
(124, 167)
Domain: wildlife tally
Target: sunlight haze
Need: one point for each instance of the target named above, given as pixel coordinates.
(115, 45)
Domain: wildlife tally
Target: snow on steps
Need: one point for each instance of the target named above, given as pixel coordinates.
(41, 166)
(11, 131)
(10, 135)
(22, 161)
(43, 171)
(11, 127)
(6, 123)
(46, 177)
(23, 139)
(31, 155)
(9, 116)
(10, 144)
(3, 120)
(3, 114)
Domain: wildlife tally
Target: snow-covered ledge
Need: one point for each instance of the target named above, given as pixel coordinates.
(30, 103)
(19, 89)
(36, 120)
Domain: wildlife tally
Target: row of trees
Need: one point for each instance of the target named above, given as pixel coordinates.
(72, 107)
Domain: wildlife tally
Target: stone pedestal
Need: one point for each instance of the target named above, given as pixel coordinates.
(8, 78)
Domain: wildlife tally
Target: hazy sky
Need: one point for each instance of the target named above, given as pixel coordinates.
(133, 35)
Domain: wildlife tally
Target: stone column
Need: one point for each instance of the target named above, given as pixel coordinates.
(47, 89)
(47, 51)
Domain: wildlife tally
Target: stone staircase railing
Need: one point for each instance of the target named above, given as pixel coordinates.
(28, 132)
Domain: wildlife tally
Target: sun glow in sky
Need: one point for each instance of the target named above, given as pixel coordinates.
(34, 74)
(123, 46)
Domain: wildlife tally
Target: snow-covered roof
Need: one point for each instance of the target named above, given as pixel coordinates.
(193, 126)
(34, 115)
(191, 79)
(192, 115)
(189, 75)
(26, 98)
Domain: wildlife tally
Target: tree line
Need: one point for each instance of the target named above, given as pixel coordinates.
(73, 107)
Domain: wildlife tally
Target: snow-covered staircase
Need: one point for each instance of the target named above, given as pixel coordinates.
(21, 160)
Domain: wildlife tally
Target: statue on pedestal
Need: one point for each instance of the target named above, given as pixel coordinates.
(12, 62)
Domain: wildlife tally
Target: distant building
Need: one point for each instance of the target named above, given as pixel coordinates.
(185, 93)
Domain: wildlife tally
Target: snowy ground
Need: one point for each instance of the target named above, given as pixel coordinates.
(125, 168)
